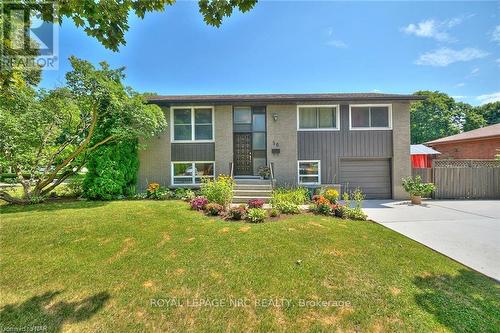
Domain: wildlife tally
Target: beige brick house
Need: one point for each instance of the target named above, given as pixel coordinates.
(355, 140)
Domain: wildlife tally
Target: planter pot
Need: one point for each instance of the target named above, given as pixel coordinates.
(416, 199)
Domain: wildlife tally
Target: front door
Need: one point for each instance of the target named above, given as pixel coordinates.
(243, 154)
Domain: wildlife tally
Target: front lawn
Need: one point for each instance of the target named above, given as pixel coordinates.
(158, 266)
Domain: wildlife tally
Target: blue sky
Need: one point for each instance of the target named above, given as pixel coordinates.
(292, 47)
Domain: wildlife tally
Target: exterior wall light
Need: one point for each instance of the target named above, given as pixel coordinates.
(275, 116)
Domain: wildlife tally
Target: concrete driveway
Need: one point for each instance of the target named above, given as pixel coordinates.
(465, 230)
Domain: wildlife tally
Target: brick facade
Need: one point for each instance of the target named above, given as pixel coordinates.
(477, 149)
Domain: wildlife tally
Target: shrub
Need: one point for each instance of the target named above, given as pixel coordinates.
(237, 213)
(297, 196)
(112, 171)
(198, 203)
(256, 215)
(185, 194)
(331, 194)
(415, 186)
(214, 209)
(273, 212)
(356, 214)
(358, 197)
(287, 207)
(255, 203)
(219, 191)
(156, 192)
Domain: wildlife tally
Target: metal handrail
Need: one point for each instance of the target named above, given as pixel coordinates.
(271, 168)
(231, 169)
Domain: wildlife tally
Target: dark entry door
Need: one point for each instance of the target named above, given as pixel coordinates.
(243, 154)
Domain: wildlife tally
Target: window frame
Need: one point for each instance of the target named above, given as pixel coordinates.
(337, 117)
(193, 177)
(389, 115)
(319, 172)
(193, 124)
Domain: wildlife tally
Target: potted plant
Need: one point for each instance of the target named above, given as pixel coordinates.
(417, 189)
(264, 172)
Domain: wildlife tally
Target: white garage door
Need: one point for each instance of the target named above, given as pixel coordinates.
(373, 177)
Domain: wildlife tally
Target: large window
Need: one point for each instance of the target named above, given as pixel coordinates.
(309, 172)
(318, 117)
(370, 117)
(191, 173)
(192, 124)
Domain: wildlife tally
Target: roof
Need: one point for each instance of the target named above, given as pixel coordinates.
(422, 150)
(477, 134)
(280, 98)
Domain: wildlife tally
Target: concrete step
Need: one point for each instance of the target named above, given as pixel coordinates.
(253, 187)
(253, 192)
(246, 199)
(252, 182)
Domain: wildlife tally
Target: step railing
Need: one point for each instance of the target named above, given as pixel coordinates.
(231, 170)
(271, 168)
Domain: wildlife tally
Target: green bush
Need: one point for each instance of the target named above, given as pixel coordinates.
(219, 191)
(185, 194)
(256, 215)
(297, 196)
(287, 207)
(273, 212)
(415, 186)
(112, 171)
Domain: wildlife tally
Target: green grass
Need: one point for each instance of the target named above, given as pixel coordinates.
(95, 266)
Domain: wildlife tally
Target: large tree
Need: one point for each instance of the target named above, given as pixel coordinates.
(45, 137)
(490, 112)
(433, 118)
(105, 20)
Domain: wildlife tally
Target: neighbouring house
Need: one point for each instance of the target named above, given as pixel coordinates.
(481, 143)
(353, 139)
(421, 156)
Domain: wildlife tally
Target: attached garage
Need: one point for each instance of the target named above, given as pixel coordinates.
(372, 176)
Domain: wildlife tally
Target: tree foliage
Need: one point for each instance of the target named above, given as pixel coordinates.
(51, 134)
(440, 116)
(112, 171)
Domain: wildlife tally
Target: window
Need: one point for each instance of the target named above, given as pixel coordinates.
(370, 116)
(318, 117)
(192, 124)
(309, 172)
(191, 173)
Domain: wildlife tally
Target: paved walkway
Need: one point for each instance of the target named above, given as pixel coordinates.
(465, 230)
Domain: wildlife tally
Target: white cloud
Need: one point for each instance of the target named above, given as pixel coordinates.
(459, 85)
(444, 56)
(489, 98)
(431, 28)
(336, 43)
(474, 71)
(459, 97)
(495, 35)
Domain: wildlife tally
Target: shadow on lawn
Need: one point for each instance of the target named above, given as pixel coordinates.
(467, 302)
(40, 312)
(51, 206)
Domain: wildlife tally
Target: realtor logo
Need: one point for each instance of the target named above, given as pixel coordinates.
(29, 39)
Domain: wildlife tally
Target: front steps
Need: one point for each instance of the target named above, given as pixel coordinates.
(246, 189)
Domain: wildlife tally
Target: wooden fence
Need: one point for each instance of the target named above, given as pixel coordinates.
(463, 179)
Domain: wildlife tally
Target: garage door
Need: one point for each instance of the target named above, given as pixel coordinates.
(373, 177)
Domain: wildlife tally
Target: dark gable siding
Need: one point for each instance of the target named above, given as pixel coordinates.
(330, 146)
(193, 151)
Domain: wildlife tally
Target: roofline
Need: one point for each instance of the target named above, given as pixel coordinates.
(229, 99)
(486, 137)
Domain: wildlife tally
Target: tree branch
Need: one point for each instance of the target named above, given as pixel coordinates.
(72, 156)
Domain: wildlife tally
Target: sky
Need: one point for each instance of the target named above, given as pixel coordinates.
(306, 47)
